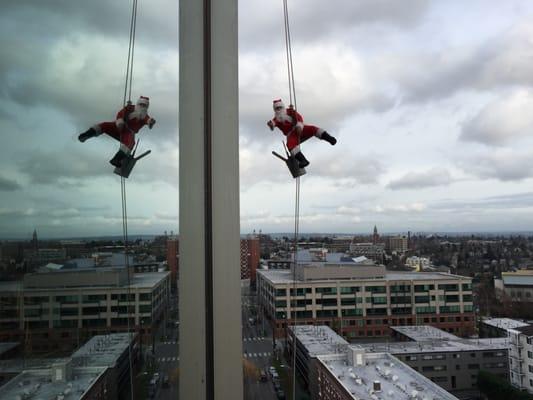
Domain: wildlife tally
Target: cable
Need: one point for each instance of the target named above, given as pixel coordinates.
(292, 98)
(127, 92)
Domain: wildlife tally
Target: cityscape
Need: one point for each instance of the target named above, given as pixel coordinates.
(266, 200)
(447, 316)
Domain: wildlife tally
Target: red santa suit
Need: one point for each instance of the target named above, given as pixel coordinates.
(127, 123)
(291, 123)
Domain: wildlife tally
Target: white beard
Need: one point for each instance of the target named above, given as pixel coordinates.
(282, 116)
(139, 112)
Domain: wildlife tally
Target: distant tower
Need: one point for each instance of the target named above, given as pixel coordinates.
(375, 236)
(34, 240)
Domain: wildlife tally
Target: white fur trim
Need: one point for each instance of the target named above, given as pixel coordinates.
(119, 122)
(295, 150)
(125, 148)
(300, 125)
(97, 129)
(319, 132)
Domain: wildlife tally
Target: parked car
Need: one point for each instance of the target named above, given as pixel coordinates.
(280, 394)
(166, 381)
(263, 376)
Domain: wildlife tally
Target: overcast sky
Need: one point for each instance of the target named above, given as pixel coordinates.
(430, 101)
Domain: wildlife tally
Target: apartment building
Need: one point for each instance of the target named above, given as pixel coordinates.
(98, 370)
(498, 327)
(397, 244)
(250, 255)
(60, 309)
(451, 362)
(336, 370)
(364, 300)
(373, 251)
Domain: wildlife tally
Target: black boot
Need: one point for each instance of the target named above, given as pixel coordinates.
(118, 159)
(89, 133)
(328, 138)
(302, 161)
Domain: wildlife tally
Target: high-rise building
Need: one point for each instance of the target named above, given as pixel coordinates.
(173, 244)
(397, 244)
(364, 299)
(250, 255)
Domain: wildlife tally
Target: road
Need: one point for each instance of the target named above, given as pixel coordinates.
(257, 352)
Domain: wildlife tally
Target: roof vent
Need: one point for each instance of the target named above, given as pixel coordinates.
(377, 386)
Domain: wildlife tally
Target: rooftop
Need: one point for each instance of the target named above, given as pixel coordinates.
(138, 280)
(438, 346)
(38, 384)
(419, 333)
(102, 350)
(397, 381)
(319, 340)
(519, 278)
(86, 364)
(504, 323)
(281, 276)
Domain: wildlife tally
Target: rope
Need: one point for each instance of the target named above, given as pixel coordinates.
(292, 98)
(127, 92)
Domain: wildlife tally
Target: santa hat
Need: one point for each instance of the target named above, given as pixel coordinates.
(143, 100)
(278, 103)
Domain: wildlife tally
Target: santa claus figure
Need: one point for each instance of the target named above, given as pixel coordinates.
(291, 123)
(127, 123)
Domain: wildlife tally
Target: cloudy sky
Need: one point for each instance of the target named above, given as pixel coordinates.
(430, 100)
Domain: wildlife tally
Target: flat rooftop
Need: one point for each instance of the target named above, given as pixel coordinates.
(504, 323)
(437, 346)
(138, 280)
(280, 276)
(397, 380)
(88, 362)
(423, 333)
(102, 350)
(37, 384)
(319, 340)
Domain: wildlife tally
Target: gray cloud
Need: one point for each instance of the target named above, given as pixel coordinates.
(261, 27)
(8, 185)
(362, 169)
(501, 61)
(504, 165)
(418, 180)
(47, 167)
(502, 120)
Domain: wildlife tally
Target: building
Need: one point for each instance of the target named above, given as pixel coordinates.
(373, 251)
(173, 244)
(451, 362)
(250, 255)
(340, 244)
(62, 308)
(498, 327)
(518, 285)
(521, 357)
(418, 263)
(365, 300)
(337, 370)
(397, 244)
(100, 369)
(37, 257)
